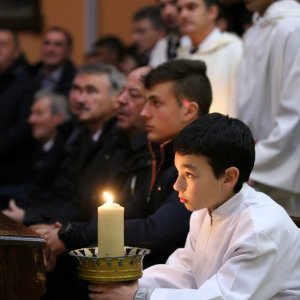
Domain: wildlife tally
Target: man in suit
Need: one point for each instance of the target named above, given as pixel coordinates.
(55, 71)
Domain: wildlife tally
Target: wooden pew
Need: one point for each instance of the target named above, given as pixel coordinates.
(22, 271)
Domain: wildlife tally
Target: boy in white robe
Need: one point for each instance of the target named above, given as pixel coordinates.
(268, 96)
(241, 244)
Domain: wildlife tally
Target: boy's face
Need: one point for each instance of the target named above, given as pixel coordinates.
(196, 183)
(164, 117)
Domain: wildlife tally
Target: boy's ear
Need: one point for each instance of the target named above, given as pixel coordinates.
(191, 109)
(231, 176)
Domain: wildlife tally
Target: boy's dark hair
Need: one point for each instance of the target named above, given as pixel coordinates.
(224, 141)
(189, 81)
(152, 13)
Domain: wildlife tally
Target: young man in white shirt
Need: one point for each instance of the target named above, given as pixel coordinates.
(241, 244)
(221, 51)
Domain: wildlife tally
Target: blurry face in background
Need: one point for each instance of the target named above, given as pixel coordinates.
(91, 99)
(131, 101)
(55, 49)
(258, 5)
(8, 49)
(195, 18)
(145, 36)
(43, 121)
(107, 56)
(169, 13)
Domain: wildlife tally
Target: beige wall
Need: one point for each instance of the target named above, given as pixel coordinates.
(114, 17)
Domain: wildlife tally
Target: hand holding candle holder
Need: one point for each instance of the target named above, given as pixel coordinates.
(110, 269)
(111, 261)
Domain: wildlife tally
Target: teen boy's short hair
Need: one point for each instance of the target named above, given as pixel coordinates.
(224, 141)
(189, 81)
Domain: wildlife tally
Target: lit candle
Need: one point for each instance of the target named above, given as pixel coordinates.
(110, 228)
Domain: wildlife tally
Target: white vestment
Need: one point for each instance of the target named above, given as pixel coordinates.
(222, 53)
(268, 94)
(159, 53)
(248, 248)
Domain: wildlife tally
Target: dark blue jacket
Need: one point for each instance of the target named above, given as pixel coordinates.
(17, 88)
(154, 218)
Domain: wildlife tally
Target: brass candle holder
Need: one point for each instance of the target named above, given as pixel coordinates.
(108, 269)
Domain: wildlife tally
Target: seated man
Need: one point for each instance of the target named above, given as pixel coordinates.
(241, 244)
(73, 192)
(178, 92)
(50, 130)
(127, 175)
(55, 70)
(17, 88)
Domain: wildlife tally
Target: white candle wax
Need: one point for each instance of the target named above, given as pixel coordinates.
(110, 230)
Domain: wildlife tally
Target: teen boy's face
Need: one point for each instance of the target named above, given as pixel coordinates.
(196, 183)
(164, 116)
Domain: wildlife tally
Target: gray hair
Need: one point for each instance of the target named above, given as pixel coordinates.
(59, 103)
(116, 78)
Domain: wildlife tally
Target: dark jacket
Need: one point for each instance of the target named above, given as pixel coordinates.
(65, 202)
(17, 88)
(45, 167)
(65, 81)
(160, 222)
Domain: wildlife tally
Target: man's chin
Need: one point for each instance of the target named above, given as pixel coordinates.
(151, 137)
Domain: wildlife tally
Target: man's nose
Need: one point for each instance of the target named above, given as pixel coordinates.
(122, 98)
(145, 113)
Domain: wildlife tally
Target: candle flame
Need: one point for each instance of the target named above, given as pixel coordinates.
(108, 197)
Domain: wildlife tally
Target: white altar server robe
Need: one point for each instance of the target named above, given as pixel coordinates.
(268, 97)
(248, 248)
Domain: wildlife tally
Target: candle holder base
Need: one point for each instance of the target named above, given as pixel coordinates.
(109, 269)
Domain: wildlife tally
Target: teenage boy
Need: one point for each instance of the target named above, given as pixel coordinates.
(241, 244)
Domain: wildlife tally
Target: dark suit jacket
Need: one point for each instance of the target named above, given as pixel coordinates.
(45, 167)
(68, 199)
(64, 84)
(154, 219)
(16, 94)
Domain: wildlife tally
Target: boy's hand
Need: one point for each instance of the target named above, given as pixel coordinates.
(113, 291)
